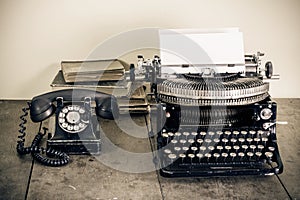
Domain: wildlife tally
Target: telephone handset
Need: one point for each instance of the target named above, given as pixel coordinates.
(75, 123)
(42, 106)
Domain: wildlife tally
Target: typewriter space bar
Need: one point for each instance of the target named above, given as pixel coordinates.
(220, 168)
(223, 166)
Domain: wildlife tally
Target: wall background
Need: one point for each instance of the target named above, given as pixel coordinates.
(36, 35)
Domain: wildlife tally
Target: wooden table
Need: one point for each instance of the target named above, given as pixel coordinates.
(113, 174)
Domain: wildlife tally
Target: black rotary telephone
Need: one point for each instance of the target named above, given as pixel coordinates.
(75, 124)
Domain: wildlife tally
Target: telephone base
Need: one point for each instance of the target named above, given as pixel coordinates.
(83, 143)
(77, 147)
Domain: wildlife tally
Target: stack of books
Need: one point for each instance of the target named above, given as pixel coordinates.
(93, 70)
(107, 76)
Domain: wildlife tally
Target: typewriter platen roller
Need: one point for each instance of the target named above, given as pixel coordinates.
(214, 124)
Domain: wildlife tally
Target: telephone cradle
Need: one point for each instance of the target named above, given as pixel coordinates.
(74, 114)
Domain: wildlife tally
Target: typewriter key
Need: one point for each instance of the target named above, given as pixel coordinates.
(260, 147)
(200, 141)
(165, 135)
(186, 134)
(236, 147)
(271, 148)
(241, 140)
(170, 134)
(177, 134)
(207, 140)
(194, 134)
(216, 155)
(236, 133)
(244, 133)
(253, 147)
(233, 155)
(216, 140)
(224, 140)
(191, 156)
(194, 149)
(172, 157)
(241, 155)
(202, 148)
(224, 155)
(269, 154)
(182, 155)
(177, 149)
(252, 133)
(250, 154)
(245, 147)
(167, 151)
(258, 154)
(233, 140)
(207, 155)
(191, 141)
(219, 133)
(202, 133)
(182, 141)
(249, 140)
(211, 148)
(174, 141)
(257, 140)
(228, 148)
(264, 140)
(220, 148)
(199, 155)
(185, 149)
(227, 133)
(211, 133)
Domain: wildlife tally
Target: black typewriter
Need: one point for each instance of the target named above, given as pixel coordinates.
(211, 124)
(217, 140)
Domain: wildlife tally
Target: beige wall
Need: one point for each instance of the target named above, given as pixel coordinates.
(36, 35)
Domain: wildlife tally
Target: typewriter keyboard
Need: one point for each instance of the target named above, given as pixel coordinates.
(217, 149)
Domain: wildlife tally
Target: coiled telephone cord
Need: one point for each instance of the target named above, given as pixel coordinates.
(57, 158)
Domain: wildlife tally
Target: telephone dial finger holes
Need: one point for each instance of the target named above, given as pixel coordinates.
(65, 110)
(70, 108)
(73, 119)
(61, 120)
(81, 110)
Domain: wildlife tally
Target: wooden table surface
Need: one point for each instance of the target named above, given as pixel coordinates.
(124, 169)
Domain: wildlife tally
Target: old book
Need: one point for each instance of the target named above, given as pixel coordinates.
(93, 70)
